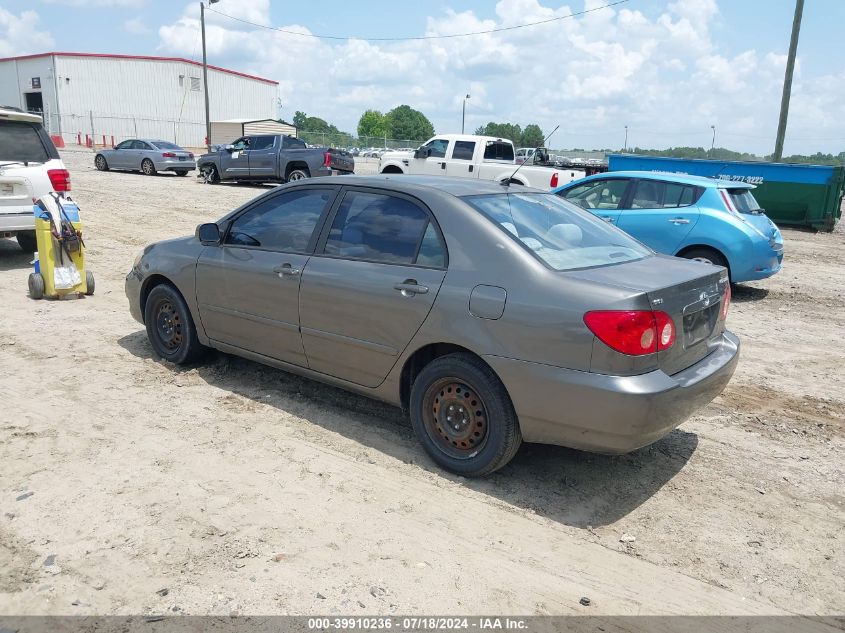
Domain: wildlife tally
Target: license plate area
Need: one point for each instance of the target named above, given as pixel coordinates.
(7, 189)
(699, 325)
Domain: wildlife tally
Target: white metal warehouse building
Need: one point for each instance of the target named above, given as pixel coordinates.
(124, 96)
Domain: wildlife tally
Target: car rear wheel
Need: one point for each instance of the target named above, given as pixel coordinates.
(181, 172)
(100, 163)
(209, 174)
(170, 328)
(148, 168)
(297, 174)
(463, 416)
(27, 241)
(707, 256)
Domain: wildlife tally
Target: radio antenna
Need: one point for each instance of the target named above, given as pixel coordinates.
(507, 181)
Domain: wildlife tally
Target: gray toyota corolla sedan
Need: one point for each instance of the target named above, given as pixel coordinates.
(492, 314)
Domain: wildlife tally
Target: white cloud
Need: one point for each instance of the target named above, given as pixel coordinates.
(136, 26)
(22, 34)
(98, 3)
(662, 75)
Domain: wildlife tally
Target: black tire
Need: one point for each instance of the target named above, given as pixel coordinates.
(36, 286)
(298, 174)
(100, 163)
(89, 282)
(170, 328)
(486, 432)
(147, 167)
(706, 255)
(27, 241)
(181, 172)
(210, 174)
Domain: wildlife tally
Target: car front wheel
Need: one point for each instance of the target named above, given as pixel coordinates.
(463, 416)
(170, 328)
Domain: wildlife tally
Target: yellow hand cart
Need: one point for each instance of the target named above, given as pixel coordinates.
(60, 262)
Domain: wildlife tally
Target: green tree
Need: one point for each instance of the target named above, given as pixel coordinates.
(507, 131)
(299, 118)
(532, 136)
(405, 123)
(372, 123)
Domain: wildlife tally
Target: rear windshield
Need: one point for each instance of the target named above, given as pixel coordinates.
(496, 150)
(165, 145)
(744, 201)
(20, 141)
(557, 232)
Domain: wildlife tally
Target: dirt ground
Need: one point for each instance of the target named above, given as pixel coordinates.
(130, 486)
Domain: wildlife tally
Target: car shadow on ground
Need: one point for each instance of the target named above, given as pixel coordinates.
(748, 294)
(571, 487)
(12, 257)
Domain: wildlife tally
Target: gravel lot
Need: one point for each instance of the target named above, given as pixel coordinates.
(242, 489)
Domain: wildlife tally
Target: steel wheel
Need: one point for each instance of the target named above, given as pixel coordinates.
(455, 418)
(168, 326)
(148, 168)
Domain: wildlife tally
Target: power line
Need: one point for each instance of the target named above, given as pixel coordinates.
(420, 37)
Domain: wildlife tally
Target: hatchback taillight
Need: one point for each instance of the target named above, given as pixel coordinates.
(168, 155)
(632, 332)
(59, 179)
(726, 302)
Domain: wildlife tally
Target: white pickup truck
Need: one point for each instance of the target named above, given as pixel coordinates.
(482, 157)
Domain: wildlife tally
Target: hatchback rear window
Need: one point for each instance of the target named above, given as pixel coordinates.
(744, 201)
(557, 232)
(20, 141)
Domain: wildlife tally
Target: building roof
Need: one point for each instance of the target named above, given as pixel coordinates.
(253, 121)
(142, 58)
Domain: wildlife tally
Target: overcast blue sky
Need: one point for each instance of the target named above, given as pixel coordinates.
(667, 68)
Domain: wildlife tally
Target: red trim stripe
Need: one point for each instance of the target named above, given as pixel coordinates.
(140, 57)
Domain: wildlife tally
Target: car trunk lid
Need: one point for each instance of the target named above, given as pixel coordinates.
(15, 194)
(691, 293)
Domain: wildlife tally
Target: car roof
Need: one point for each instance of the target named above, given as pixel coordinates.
(455, 186)
(13, 114)
(683, 179)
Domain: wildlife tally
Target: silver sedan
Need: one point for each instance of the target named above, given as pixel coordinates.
(147, 156)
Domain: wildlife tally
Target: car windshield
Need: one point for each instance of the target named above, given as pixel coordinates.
(557, 232)
(744, 201)
(165, 145)
(19, 141)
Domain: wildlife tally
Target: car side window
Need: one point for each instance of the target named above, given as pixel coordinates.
(498, 150)
(284, 222)
(599, 194)
(262, 142)
(676, 195)
(241, 144)
(648, 194)
(139, 145)
(382, 228)
(431, 252)
(124, 145)
(463, 150)
(294, 143)
(438, 147)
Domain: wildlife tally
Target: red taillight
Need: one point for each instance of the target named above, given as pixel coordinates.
(190, 155)
(726, 301)
(553, 181)
(327, 160)
(632, 332)
(168, 155)
(59, 179)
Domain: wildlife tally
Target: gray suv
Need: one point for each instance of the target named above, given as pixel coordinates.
(492, 314)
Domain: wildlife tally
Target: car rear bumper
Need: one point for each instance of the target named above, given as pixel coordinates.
(766, 264)
(175, 165)
(17, 221)
(611, 414)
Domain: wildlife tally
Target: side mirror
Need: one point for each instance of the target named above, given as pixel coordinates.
(422, 152)
(229, 147)
(208, 234)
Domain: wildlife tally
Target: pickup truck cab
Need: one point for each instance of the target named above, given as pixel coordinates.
(272, 158)
(479, 157)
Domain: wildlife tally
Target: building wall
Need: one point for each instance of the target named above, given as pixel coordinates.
(16, 79)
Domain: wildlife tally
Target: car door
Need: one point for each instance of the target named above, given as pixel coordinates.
(140, 151)
(119, 157)
(601, 197)
(262, 155)
(248, 286)
(234, 162)
(660, 214)
(435, 164)
(459, 162)
(370, 285)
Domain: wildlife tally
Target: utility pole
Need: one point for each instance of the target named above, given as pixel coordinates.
(625, 149)
(464, 113)
(713, 142)
(205, 77)
(787, 80)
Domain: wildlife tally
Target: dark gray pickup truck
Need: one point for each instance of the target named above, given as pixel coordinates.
(272, 158)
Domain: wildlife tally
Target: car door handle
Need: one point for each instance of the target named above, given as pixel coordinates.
(679, 221)
(607, 218)
(286, 270)
(410, 287)
(442, 165)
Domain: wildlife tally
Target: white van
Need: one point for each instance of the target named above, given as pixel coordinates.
(30, 168)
